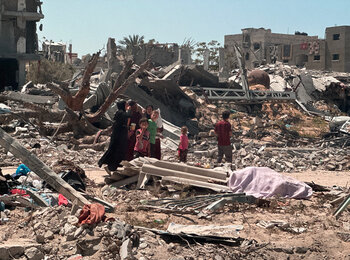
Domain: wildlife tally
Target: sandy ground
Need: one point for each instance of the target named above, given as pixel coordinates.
(325, 178)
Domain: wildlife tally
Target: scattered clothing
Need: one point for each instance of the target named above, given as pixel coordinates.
(74, 180)
(62, 200)
(92, 214)
(22, 170)
(263, 182)
(119, 140)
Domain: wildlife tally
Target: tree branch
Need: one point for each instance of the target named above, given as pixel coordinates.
(118, 89)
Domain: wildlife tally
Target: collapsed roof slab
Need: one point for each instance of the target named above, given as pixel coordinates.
(175, 106)
(193, 75)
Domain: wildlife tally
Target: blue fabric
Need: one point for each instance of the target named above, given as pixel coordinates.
(22, 170)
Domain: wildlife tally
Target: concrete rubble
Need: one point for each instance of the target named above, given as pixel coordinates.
(148, 201)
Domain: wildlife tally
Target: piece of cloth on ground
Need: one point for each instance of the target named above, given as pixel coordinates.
(22, 170)
(92, 214)
(263, 182)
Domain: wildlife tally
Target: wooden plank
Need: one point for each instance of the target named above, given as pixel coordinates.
(214, 187)
(157, 171)
(142, 180)
(192, 170)
(37, 198)
(124, 182)
(16, 200)
(41, 169)
(109, 207)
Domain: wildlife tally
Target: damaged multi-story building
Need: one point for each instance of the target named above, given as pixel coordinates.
(57, 52)
(261, 46)
(18, 39)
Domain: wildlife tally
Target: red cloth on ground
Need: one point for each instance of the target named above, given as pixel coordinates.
(20, 192)
(62, 200)
(223, 129)
(92, 213)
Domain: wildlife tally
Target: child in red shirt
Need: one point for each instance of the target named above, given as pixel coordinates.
(183, 146)
(142, 146)
(223, 131)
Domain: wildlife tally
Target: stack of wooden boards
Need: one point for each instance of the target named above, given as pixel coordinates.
(139, 171)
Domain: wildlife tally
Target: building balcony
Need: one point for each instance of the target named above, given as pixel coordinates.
(29, 16)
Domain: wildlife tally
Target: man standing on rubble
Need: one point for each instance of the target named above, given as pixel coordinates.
(223, 132)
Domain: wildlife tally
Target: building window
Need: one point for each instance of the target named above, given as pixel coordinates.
(336, 36)
(287, 51)
(247, 56)
(317, 57)
(335, 57)
(256, 46)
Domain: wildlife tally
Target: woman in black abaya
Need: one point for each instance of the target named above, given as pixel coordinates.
(119, 139)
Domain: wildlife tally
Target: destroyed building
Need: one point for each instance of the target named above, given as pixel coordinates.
(261, 46)
(163, 54)
(18, 40)
(57, 51)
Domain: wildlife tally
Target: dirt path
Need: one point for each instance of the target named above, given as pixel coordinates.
(326, 178)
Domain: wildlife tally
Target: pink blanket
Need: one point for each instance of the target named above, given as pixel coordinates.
(263, 182)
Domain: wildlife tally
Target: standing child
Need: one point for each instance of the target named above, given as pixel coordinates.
(183, 146)
(142, 147)
(152, 129)
(223, 131)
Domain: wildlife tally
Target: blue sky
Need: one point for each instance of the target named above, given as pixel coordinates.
(87, 24)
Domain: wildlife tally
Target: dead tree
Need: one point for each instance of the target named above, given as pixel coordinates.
(82, 124)
(120, 85)
(75, 102)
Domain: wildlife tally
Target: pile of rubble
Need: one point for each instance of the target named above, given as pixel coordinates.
(275, 156)
(58, 235)
(170, 205)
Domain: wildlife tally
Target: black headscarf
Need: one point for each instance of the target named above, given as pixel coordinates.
(121, 105)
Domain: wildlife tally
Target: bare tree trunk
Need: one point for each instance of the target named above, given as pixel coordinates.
(75, 102)
(118, 89)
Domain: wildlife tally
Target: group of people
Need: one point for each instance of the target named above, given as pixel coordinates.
(135, 133)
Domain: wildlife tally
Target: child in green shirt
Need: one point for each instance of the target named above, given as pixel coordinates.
(152, 129)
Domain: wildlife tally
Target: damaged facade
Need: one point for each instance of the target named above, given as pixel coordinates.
(261, 46)
(57, 51)
(18, 40)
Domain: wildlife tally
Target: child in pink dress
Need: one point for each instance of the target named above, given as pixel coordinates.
(183, 146)
(142, 146)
